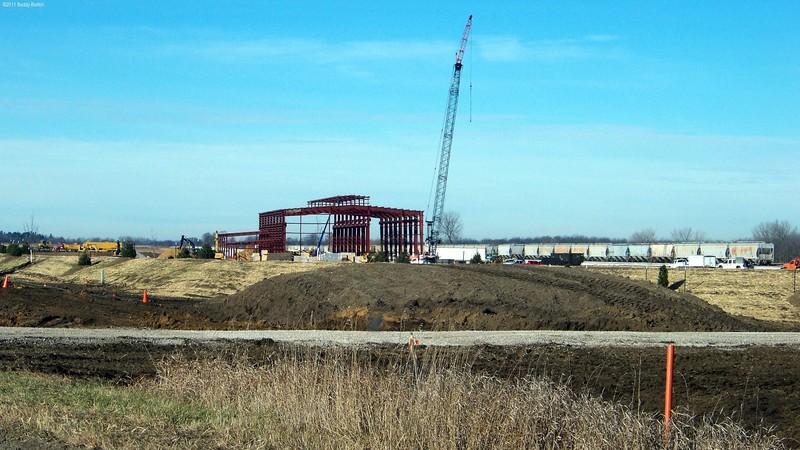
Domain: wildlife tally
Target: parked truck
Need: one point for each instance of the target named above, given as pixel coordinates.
(732, 263)
(793, 264)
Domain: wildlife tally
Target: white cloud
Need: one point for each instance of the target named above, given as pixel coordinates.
(310, 50)
(505, 48)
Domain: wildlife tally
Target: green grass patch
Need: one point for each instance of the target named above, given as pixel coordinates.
(102, 414)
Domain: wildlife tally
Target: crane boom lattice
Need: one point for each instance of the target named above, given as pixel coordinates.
(434, 225)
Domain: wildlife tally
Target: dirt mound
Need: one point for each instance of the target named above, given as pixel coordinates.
(67, 305)
(467, 297)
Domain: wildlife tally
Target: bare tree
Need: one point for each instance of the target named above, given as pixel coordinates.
(773, 231)
(207, 238)
(783, 235)
(452, 226)
(31, 230)
(645, 235)
(687, 234)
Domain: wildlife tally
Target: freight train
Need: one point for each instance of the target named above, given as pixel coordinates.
(761, 253)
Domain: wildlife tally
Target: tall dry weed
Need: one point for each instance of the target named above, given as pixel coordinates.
(341, 399)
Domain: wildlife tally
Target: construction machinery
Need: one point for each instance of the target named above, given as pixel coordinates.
(322, 235)
(793, 264)
(217, 254)
(76, 247)
(102, 246)
(186, 240)
(435, 223)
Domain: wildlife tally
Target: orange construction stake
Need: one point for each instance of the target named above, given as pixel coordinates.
(5, 282)
(668, 393)
(144, 297)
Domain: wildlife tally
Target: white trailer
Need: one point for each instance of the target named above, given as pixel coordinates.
(701, 261)
(460, 253)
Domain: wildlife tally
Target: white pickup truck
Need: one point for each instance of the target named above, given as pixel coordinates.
(731, 263)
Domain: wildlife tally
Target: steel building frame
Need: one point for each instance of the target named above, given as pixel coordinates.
(401, 230)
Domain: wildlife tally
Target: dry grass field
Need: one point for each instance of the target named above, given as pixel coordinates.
(185, 278)
(761, 294)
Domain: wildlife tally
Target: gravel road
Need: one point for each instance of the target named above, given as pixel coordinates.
(430, 338)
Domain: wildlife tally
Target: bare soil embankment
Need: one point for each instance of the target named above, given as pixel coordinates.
(355, 297)
(467, 297)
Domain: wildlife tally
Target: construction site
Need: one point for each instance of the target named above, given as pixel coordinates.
(306, 267)
(195, 294)
(402, 231)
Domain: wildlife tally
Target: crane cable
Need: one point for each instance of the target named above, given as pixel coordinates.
(435, 177)
(471, 51)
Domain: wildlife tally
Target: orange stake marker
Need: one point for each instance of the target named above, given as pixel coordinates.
(5, 282)
(144, 297)
(668, 393)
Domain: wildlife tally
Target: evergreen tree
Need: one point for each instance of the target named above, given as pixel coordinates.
(84, 259)
(663, 276)
(205, 252)
(128, 250)
(476, 259)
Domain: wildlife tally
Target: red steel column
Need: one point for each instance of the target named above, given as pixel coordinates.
(367, 226)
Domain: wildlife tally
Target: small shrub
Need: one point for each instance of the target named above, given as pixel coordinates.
(476, 259)
(2, 248)
(84, 259)
(14, 250)
(184, 253)
(663, 276)
(403, 258)
(378, 257)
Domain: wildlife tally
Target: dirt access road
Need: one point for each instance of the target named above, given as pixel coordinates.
(323, 338)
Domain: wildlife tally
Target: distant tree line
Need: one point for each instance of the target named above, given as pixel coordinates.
(19, 237)
(31, 238)
(14, 249)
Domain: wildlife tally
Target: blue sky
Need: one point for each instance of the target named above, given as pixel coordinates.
(158, 119)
